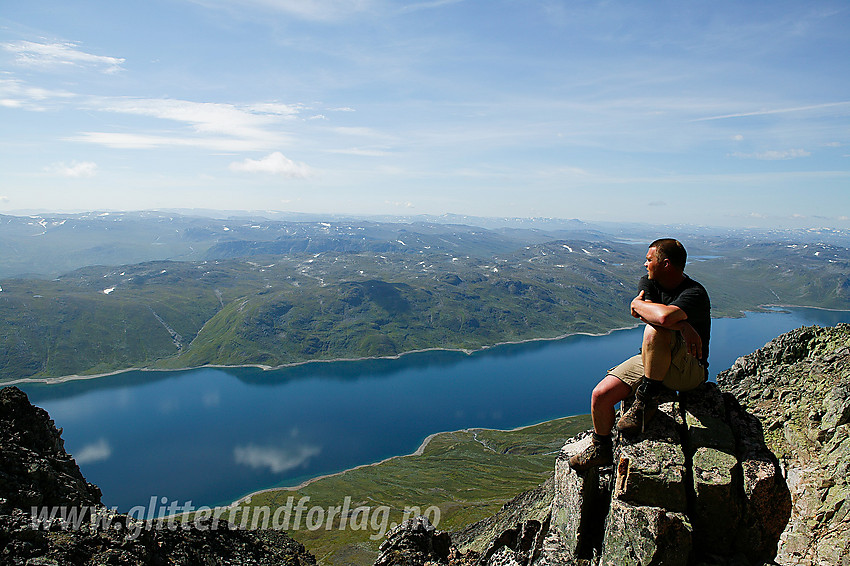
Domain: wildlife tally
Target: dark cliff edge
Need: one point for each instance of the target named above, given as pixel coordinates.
(751, 471)
(36, 474)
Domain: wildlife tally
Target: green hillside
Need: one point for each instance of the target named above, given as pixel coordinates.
(274, 310)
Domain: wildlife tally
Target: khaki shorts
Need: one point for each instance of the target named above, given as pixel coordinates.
(686, 372)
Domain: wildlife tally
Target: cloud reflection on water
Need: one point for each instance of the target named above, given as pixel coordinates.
(275, 459)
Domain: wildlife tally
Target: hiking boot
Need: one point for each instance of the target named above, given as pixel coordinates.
(634, 420)
(595, 455)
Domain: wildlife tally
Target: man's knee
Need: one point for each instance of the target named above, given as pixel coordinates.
(655, 336)
(597, 397)
(609, 392)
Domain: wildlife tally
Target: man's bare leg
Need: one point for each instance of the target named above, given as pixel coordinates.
(607, 393)
(656, 352)
(656, 358)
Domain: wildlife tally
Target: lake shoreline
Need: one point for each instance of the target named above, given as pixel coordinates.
(468, 351)
(418, 452)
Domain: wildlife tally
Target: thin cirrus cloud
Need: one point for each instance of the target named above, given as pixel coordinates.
(774, 155)
(809, 108)
(34, 54)
(273, 164)
(277, 460)
(213, 126)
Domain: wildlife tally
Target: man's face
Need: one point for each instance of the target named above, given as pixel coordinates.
(652, 263)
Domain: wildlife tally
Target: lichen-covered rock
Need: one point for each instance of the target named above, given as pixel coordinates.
(836, 407)
(416, 542)
(641, 536)
(651, 469)
(767, 499)
(579, 505)
(528, 507)
(710, 443)
(692, 489)
(806, 425)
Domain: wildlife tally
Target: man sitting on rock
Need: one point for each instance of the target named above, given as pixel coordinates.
(674, 353)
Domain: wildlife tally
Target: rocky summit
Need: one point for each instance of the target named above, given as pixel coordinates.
(71, 526)
(750, 472)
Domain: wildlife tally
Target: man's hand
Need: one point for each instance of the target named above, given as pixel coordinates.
(640, 297)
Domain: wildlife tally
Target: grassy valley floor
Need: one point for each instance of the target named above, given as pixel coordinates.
(455, 479)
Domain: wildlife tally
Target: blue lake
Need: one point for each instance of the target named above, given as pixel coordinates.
(212, 435)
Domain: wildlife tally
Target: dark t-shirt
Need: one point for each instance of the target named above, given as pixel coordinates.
(689, 296)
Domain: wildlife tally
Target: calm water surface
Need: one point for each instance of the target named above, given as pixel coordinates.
(213, 435)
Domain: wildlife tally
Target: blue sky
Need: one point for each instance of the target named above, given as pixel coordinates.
(711, 113)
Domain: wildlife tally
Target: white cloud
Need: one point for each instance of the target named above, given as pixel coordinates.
(16, 94)
(75, 169)
(274, 164)
(275, 459)
(30, 53)
(205, 117)
(97, 452)
(217, 126)
(4, 199)
(774, 155)
(738, 137)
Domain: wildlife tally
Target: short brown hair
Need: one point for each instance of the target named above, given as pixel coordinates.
(669, 248)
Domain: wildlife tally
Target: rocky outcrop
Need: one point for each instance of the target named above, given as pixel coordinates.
(698, 487)
(35, 470)
(798, 385)
(37, 473)
(414, 543)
